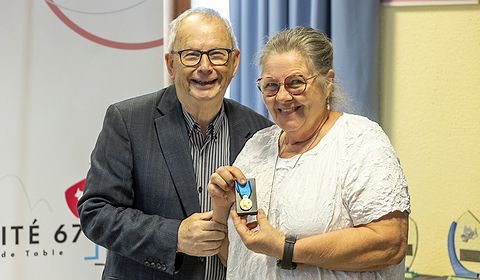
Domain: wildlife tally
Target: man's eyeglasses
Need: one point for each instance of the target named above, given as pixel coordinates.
(294, 84)
(217, 57)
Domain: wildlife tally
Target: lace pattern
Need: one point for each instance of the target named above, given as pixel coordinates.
(351, 177)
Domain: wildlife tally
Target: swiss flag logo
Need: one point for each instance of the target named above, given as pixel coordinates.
(73, 194)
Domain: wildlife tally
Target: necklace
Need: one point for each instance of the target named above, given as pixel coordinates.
(298, 159)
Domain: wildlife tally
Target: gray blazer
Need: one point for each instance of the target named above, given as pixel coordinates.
(141, 185)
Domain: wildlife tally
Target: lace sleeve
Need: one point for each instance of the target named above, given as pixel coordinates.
(375, 184)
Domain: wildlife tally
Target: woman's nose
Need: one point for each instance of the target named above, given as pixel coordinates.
(283, 94)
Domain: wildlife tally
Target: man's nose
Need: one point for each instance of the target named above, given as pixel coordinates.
(204, 63)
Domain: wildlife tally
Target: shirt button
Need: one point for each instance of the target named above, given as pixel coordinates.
(200, 189)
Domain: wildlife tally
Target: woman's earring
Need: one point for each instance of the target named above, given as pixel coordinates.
(328, 103)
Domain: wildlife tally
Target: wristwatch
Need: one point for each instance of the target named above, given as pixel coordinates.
(286, 261)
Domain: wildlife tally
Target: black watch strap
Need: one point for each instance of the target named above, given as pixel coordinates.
(286, 261)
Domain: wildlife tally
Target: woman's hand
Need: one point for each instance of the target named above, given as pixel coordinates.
(222, 190)
(264, 240)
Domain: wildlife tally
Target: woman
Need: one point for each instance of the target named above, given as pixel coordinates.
(332, 196)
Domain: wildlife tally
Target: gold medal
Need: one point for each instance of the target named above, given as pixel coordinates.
(246, 203)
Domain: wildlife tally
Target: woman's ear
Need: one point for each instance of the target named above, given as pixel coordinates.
(330, 82)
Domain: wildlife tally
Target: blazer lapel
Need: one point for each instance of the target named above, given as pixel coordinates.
(240, 132)
(174, 143)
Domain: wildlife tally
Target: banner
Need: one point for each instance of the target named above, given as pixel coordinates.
(63, 63)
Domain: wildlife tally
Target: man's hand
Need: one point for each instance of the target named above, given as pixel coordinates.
(199, 236)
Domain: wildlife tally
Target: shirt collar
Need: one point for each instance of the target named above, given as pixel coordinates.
(213, 127)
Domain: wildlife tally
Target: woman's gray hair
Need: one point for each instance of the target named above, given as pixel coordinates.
(204, 12)
(312, 44)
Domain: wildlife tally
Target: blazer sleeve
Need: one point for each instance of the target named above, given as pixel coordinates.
(106, 213)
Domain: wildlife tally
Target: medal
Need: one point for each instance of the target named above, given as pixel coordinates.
(245, 191)
(246, 203)
(246, 198)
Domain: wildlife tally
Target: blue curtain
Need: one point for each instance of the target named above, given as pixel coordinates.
(351, 24)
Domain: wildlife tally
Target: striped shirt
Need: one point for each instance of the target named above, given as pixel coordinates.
(208, 153)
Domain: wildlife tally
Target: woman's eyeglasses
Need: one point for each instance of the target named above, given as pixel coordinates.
(294, 84)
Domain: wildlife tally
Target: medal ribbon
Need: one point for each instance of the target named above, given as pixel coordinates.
(244, 190)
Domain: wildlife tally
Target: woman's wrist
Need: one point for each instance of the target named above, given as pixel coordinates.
(279, 248)
(220, 213)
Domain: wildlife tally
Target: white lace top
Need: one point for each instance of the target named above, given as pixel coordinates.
(351, 177)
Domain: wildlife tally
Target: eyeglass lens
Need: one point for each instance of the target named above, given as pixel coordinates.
(294, 84)
(193, 57)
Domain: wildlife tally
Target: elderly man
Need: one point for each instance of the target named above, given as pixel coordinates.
(146, 198)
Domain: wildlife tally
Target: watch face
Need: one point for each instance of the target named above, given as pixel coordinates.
(286, 261)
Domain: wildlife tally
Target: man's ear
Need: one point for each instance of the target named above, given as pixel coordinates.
(236, 60)
(169, 63)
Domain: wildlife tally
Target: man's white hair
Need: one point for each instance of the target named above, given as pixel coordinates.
(205, 12)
